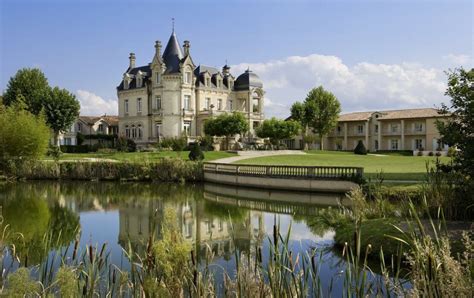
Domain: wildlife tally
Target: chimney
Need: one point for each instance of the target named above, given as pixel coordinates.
(158, 48)
(132, 60)
(186, 47)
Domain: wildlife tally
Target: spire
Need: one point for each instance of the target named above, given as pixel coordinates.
(172, 54)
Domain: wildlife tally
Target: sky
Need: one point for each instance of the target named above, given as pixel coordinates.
(373, 55)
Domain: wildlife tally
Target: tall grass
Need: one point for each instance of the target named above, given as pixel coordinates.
(167, 169)
(170, 268)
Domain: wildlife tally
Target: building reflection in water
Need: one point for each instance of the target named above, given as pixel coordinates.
(199, 225)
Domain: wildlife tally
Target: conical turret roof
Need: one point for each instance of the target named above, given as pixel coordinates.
(172, 54)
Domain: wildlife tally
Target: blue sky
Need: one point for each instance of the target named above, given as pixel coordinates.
(371, 54)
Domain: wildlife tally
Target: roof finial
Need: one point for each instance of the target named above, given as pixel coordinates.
(172, 22)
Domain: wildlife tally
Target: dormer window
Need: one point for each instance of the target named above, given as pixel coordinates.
(139, 81)
(125, 83)
(187, 77)
(158, 77)
(208, 82)
(219, 83)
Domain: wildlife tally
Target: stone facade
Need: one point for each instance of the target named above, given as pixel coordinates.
(395, 130)
(172, 97)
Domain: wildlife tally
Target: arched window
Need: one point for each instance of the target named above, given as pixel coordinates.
(134, 132)
(127, 131)
(139, 131)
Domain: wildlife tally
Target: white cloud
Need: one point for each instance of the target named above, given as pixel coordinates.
(458, 60)
(94, 105)
(364, 86)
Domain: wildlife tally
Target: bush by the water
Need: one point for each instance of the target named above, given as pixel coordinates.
(126, 145)
(167, 169)
(196, 152)
(360, 149)
(175, 144)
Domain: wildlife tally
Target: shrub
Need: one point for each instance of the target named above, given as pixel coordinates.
(126, 145)
(420, 153)
(207, 143)
(196, 153)
(23, 135)
(176, 143)
(451, 151)
(360, 149)
(54, 152)
(438, 153)
(431, 153)
(75, 149)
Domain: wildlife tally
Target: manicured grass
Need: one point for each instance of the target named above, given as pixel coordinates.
(393, 167)
(143, 156)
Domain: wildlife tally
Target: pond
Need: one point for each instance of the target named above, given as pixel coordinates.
(224, 219)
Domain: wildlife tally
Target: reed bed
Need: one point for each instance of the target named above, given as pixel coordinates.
(170, 268)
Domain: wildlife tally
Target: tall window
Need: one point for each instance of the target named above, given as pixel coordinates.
(79, 127)
(158, 102)
(231, 104)
(127, 131)
(418, 143)
(339, 129)
(125, 84)
(394, 127)
(157, 129)
(219, 104)
(207, 103)
(255, 107)
(419, 127)
(376, 128)
(139, 131)
(139, 105)
(394, 144)
(376, 145)
(187, 102)
(133, 132)
(158, 77)
(126, 106)
(360, 129)
(187, 128)
(208, 82)
(101, 128)
(187, 77)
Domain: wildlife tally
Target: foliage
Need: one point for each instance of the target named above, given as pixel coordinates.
(166, 169)
(62, 109)
(459, 129)
(226, 125)
(206, 143)
(23, 136)
(196, 152)
(171, 254)
(20, 284)
(29, 85)
(277, 130)
(319, 111)
(360, 148)
(54, 152)
(175, 143)
(126, 145)
(66, 281)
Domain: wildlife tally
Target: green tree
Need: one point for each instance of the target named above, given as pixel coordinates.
(459, 129)
(30, 84)
(322, 110)
(226, 125)
(23, 136)
(298, 114)
(62, 109)
(277, 130)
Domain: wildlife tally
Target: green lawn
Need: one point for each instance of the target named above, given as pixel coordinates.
(393, 167)
(142, 156)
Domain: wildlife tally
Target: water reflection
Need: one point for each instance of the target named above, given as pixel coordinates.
(128, 214)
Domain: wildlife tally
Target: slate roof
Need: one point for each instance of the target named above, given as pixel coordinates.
(247, 80)
(172, 55)
(133, 83)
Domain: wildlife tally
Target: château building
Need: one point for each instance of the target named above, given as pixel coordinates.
(172, 96)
